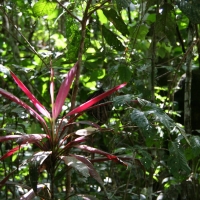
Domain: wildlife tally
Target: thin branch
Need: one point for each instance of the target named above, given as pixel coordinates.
(98, 7)
(70, 13)
(29, 45)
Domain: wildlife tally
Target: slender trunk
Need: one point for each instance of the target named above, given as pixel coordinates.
(188, 83)
(76, 84)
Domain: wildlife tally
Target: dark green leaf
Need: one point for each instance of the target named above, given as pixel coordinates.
(122, 100)
(190, 9)
(34, 169)
(177, 161)
(122, 4)
(117, 21)
(138, 118)
(112, 40)
(125, 73)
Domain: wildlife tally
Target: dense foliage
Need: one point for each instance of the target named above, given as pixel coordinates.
(92, 143)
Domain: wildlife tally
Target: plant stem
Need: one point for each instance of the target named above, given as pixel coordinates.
(76, 84)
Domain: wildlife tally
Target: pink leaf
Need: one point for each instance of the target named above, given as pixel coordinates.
(91, 102)
(52, 88)
(31, 194)
(75, 142)
(35, 102)
(11, 152)
(63, 91)
(9, 137)
(21, 103)
(31, 138)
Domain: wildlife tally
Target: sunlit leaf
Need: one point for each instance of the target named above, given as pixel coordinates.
(43, 7)
(116, 20)
(63, 91)
(31, 194)
(86, 131)
(33, 99)
(21, 103)
(91, 102)
(31, 138)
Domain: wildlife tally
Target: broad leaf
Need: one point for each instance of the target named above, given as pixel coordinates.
(43, 7)
(91, 168)
(77, 164)
(91, 102)
(112, 39)
(33, 99)
(63, 91)
(116, 20)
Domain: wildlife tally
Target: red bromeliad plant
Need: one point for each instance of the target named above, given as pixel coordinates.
(56, 141)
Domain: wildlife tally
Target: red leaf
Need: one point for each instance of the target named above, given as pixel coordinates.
(35, 102)
(63, 91)
(23, 104)
(98, 151)
(91, 102)
(11, 152)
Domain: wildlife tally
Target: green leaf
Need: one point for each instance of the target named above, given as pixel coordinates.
(140, 32)
(177, 160)
(122, 100)
(111, 39)
(166, 23)
(117, 21)
(122, 4)
(138, 118)
(194, 149)
(146, 158)
(43, 7)
(125, 73)
(190, 9)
